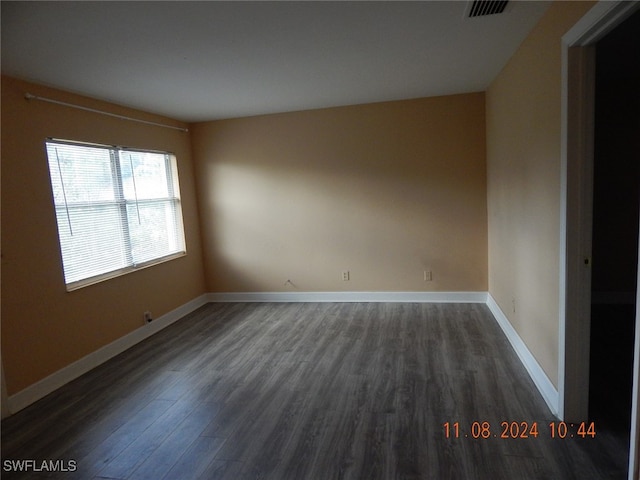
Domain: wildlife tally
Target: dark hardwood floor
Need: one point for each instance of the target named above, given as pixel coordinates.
(308, 391)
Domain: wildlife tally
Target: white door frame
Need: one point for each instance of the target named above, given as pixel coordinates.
(578, 91)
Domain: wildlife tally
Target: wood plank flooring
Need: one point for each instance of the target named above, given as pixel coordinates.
(307, 391)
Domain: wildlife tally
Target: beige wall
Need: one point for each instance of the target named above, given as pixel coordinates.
(523, 165)
(383, 190)
(44, 327)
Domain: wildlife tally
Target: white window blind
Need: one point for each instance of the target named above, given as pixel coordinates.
(117, 209)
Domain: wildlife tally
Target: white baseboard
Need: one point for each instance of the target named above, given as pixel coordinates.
(40, 389)
(537, 374)
(56, 380)
(338, 297)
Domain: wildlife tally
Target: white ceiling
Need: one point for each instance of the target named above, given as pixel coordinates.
(197, 61)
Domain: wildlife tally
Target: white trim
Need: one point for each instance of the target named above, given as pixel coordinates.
(599, 21)
(40, 389)
(401, 297)
(56, 380)
(540, 379)
(563, 248)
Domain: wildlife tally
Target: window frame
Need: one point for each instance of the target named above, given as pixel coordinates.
(122, 203)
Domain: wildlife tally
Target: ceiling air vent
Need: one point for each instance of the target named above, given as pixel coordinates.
(481, 8)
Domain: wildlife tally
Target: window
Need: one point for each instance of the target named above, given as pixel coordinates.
(118, 209)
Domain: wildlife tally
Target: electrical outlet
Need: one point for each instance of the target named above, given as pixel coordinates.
(428, 276)
(345, 275)
(147, 316)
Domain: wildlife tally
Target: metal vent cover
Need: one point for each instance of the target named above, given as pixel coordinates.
(481, 8)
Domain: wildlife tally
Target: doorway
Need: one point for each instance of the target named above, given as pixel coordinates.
(577, 168)
(616, 197)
